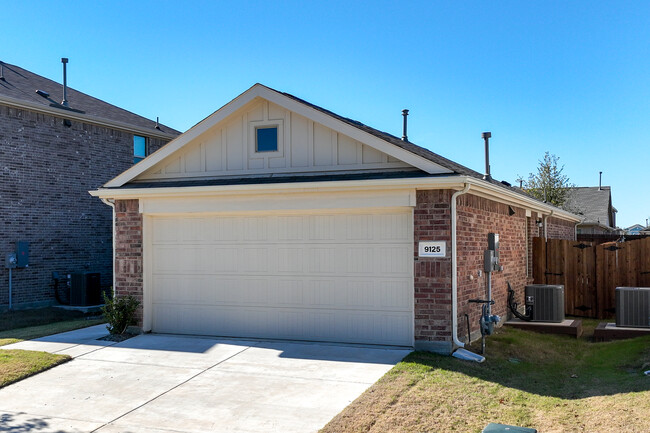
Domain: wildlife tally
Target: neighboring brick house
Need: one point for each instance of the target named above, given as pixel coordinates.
(275, 218)
(51, 154)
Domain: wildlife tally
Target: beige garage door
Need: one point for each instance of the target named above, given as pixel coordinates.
(343, 277)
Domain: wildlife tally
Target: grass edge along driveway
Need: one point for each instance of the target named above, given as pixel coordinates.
(17, 364)
(551, 383)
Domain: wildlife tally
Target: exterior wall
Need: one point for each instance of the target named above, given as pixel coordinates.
(560, 229)
(48, 169)
(303, 146)
(477, 217)
(432, 276)
(128, 252)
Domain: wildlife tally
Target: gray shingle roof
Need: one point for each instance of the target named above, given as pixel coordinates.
(411, 147)
(22, 85)
(591, 203)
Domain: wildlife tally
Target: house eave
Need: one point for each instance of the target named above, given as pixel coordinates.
(72, 115)
(455, 182)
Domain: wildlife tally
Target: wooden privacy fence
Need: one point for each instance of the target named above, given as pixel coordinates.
(590, 273)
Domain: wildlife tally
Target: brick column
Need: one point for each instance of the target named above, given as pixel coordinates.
(128, 252)
(432, 276)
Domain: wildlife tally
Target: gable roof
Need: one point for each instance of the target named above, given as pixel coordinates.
(591, 202)
(19, 86)
(431, 164)
(412, 154)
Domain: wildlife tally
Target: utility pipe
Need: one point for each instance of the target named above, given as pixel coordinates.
(546, 225)
(454, 270)
(111, 202)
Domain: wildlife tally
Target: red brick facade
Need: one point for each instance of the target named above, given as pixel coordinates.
(49, 167)
(128, 251)
(476, 218)
(432, 276)
(560, 229)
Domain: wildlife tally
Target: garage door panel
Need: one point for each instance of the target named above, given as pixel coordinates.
(324, 277)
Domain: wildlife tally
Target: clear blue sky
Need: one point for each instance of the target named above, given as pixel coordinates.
(571, 78)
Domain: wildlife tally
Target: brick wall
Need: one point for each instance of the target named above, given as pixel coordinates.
(560, 229)
(477, 217)
(128, 251)
(47, 171)
(432, 276)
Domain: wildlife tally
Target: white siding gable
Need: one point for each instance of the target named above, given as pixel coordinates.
(304, 146)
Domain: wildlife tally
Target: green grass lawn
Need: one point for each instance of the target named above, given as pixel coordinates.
(552, 383)
(21, 325)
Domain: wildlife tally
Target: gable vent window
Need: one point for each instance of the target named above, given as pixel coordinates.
(266, 139)
(139, 148)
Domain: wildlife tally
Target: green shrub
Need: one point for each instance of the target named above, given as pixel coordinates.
(119, 313)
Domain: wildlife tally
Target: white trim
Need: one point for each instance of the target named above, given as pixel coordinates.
(287, 103)
(80, 117)
(479, 188)
(147, 280)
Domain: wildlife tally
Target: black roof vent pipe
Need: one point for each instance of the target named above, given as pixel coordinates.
(2, 71)
(486, 136)
(64, 60)
(405, 113)
(600, 181)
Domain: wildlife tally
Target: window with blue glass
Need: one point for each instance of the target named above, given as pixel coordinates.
(139, 148)
(266, 139)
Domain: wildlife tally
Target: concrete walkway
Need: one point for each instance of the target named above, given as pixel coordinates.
(166, 383)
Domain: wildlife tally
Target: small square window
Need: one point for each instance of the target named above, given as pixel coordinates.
(266, 139)
(139, 148)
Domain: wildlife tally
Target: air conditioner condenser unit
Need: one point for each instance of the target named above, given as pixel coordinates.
(545, 302)
(633, 307)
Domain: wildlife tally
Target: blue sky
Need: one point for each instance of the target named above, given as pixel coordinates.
(571, 78)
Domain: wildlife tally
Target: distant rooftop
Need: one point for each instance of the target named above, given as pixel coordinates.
(592, 203)
(22, 85)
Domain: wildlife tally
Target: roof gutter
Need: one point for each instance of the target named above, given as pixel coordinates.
(69, 114)
(479, 188)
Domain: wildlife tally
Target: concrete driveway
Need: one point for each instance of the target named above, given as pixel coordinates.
(166, 383)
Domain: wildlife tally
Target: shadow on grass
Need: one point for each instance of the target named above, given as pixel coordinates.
(554, 366)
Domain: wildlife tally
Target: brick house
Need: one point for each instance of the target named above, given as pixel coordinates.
(275, 218)
(51, 154)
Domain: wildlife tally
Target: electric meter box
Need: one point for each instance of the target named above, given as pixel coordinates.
(22, 254)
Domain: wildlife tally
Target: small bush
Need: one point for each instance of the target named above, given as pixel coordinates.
(119, 313)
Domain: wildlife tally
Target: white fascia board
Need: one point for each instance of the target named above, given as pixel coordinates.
(287, 103)
(478, 187)
(349, 130)
(80, 117)
(493, 192)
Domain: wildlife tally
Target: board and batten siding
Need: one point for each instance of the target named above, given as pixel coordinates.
(304, 146)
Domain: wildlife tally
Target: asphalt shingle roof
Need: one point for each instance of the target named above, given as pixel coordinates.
(591, 203)
(21, 84)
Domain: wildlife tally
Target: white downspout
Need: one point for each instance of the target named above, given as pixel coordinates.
(111, 203)
(454, 270)
(546, 225)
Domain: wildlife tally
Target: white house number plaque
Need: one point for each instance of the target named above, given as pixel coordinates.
(432, 249)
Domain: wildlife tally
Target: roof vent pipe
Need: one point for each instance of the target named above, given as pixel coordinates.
(600, 181)
(486, 136)
(64, 60)
(157, 122)
(405, 113)
(2, 71)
